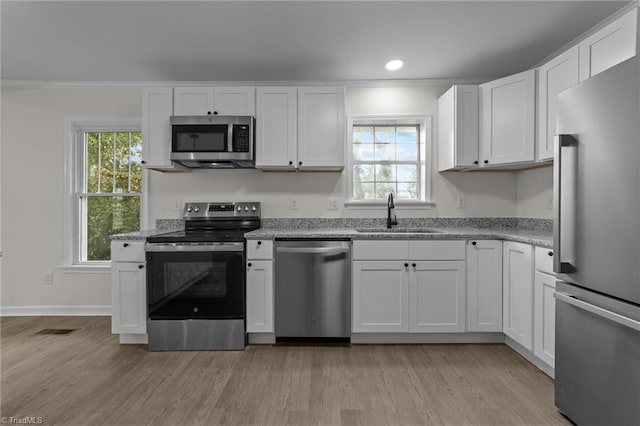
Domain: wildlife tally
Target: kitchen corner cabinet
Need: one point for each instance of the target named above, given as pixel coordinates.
(507, 123)
(518, 293)
(157, 107)
(408, 286)
(558, 74)
(544, 315)
(214, 101)
(484, 286)
(300, 128)
(607, 47)
(128, 287)
(260, 286)
(458, 128)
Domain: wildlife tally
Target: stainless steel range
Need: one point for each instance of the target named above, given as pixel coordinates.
(196, 279)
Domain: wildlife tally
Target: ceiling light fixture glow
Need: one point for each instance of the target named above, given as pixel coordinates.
(394, 65)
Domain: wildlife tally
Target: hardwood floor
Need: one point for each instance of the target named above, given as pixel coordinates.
(87, 378)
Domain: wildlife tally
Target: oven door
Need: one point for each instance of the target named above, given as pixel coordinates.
(195, 280)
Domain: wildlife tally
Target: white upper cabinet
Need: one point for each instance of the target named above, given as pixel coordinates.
(157, 107)
(458, 128)
(507, 125)
(214, 100)
(555, 76)
(276, 127)
(321, 128)
(609, 46)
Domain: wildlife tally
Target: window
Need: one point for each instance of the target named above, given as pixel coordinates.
(389, 155)
(105, 186)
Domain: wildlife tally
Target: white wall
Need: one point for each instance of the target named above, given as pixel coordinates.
(535, 193)
(33, 184)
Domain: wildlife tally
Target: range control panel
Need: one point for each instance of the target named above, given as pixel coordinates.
(199, 210)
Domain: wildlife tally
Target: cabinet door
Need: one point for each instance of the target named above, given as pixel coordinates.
(157, 107)
(544, 331)
(234, 100)
(128, 298)
(380, 297)
(193, 100)
(277, 127)
(508, 119)
(321, 135)
(484, 286)
(555, 76)
(437, 296)
(458, 127)
(609, 46)
(260, 296)
(518, 293)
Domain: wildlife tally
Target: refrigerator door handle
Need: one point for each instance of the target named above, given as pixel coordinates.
(560, 142)
(596, 310)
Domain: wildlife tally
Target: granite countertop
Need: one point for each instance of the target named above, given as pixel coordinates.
(537, 232)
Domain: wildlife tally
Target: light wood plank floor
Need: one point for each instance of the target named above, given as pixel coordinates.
(87, 378)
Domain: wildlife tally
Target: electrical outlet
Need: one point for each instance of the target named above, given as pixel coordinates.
(48, 278)
(333, 203)
(549, 204)
(293, 203)
(178, 206)
(460, 202)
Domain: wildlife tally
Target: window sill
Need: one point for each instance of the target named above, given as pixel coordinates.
(104, 268)
(399, 205)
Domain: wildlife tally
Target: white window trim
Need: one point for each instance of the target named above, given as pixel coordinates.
(73, 154)
(425, 122)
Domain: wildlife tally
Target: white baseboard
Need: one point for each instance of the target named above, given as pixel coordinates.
(42, 311)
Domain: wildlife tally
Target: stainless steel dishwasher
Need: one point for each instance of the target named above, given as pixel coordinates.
(312, 289)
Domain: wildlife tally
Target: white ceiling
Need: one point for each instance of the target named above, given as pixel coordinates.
(148, 41)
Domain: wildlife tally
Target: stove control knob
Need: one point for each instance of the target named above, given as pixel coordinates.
(239, 208)
(254, 209)
(246, 208)
(189, 209)
(197, 209)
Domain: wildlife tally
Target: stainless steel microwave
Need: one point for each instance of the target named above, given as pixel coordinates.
(213, 141)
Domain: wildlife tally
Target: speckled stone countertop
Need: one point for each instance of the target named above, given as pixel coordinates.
(525, 230)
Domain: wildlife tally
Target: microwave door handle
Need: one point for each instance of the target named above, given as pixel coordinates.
(229, 142)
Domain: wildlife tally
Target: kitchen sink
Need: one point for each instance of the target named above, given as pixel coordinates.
(399, 230)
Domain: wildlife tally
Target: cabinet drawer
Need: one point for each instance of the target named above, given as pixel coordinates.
(380, 250)
(437, 250)
(127, 251)
(544, 260)
(259, 249)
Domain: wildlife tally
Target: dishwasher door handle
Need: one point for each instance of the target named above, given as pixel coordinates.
(313, 250)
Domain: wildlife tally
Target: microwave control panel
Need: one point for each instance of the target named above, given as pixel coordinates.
(241, 137)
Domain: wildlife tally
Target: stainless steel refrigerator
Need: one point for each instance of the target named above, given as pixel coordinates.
(597, 249)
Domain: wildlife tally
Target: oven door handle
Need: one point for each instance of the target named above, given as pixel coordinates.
(182, 247)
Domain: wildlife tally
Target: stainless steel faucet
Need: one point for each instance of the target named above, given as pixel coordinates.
(390, 205)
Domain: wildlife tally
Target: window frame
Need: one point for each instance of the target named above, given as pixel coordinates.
(425, 123)
(75, 128)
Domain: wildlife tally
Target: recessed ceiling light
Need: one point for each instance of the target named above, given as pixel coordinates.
(394, 65)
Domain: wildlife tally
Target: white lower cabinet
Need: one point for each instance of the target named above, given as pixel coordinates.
(518, 293)
(544, 324)
(484, 286)
(260, 296)
(260, 286)
(128, 288)
(415, 286)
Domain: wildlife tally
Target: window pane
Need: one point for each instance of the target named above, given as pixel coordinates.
(407, 191)
(363, 191)
(385, 135)
(106, 162)
(92, 166)
(362, 134)
(136, 162)
(406, 152)
(362, 152)
(407, 173)
(384, 152)
(407, 134)
(383, 190)
(363, 173)
(385, 173)
(106, 216)
(122, 162)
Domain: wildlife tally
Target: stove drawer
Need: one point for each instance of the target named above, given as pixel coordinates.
(127, 251)
(260, 249)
